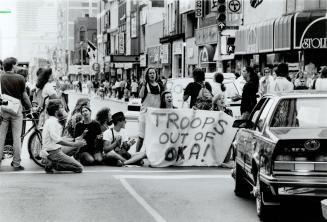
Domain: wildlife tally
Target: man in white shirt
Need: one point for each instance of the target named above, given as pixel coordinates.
(281, 84)
(56, 148)
(265, 81)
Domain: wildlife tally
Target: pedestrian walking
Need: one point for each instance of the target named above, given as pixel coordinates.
(57, 149)
(80, 86)
(13, 85)
(96, 86)
(150, 94)
(321, 83)
(89, 86)
(134, 88)
(90, 130)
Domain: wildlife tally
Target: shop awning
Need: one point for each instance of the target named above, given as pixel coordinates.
(240, 41)
(310, 30)
(283, 33)
(265, 33)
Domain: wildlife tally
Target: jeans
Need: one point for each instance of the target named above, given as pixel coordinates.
(16, 128)
(62, 161)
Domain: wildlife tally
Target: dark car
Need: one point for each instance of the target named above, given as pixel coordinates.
(282, 149)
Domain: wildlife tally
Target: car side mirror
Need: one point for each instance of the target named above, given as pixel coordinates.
(243, 123)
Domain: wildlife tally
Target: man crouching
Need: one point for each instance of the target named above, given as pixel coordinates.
(56, 148)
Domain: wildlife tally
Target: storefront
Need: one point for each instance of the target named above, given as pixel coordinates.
(124, 66)
(299, 39)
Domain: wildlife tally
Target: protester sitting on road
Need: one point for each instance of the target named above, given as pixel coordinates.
(103, 117)
(90, 130)
(57, 149)
(194, 89)
(150, 94)
(166, 100)
(218, 104)
(76, 116)
(116, 144)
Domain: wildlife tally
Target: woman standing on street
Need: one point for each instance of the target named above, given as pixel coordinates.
(150, 94)
(250, 89)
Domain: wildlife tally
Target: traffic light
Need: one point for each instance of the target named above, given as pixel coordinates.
(221, 17)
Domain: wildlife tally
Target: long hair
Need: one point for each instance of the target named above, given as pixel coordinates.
(253, 77)
(324, 73)
(162, 99)
(80, 102)
(43, 77)
(147, 75)
(219, 78)
(215, 99)
(102, 116)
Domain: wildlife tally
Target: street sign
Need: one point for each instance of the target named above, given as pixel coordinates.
(234, 6)
(221, 26)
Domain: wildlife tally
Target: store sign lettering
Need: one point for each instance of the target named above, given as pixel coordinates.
(314, 43)
(198, 8)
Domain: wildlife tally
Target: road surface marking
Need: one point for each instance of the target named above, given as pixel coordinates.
(144, 204)
(101, 171)
(174, 177)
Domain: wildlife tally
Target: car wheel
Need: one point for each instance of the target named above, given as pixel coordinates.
(262, 209)
(242, 187)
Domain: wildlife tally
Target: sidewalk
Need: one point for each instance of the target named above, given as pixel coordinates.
(96, 96)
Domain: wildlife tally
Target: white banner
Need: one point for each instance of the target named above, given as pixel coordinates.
(186, 137)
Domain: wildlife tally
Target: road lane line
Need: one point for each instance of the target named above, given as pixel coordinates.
(172, 177)
(141, 201)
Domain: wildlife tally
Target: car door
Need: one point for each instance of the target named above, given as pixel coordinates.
(249, 135)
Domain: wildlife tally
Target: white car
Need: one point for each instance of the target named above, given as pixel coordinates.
(177, 86)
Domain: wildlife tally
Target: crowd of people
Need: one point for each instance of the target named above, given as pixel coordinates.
(71, 141)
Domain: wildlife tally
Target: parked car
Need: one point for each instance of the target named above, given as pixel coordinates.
(280, 150)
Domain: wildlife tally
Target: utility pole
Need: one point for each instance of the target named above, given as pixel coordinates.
(221, 25)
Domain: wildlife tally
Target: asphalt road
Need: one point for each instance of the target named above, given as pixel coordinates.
(131, 194)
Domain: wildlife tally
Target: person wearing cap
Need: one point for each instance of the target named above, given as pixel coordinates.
(117, 144)
(56, 149)
(90, 130)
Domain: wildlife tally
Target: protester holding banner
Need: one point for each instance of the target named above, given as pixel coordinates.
(199, 90)
(166, 100)
(150, 94)
(218, 104)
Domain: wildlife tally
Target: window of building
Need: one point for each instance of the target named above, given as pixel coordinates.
(85, 4)
(82, 32)
(158, 3)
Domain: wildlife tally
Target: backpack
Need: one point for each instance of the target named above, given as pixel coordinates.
(204, 99)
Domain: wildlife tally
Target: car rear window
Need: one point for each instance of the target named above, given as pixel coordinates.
(301, 113)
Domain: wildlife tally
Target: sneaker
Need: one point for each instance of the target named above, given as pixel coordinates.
(18, 168)
(49, 170)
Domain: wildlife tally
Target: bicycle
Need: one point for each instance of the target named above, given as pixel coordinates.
(34, 143)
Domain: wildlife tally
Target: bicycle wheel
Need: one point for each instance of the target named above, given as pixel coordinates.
(34, 147)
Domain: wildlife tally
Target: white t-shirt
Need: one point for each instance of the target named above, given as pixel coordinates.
(321, 84)
(51, 134)
(107, 135)
(281, 84)
(134, 86)
(49, 89)
(216, 88)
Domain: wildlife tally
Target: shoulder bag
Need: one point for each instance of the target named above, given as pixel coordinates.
(13, 104)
